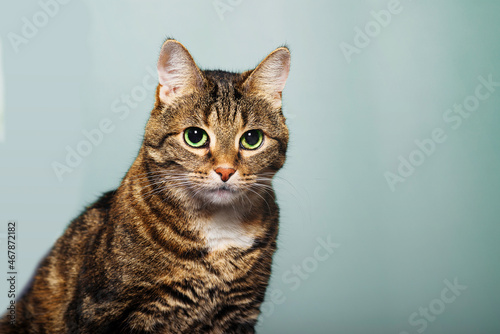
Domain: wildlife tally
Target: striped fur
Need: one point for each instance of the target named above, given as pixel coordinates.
(165, 252)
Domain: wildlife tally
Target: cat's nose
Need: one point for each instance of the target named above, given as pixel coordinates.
(225, 173)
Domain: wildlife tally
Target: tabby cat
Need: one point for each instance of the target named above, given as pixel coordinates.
(185, 244)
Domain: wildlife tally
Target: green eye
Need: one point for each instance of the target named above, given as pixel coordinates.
(252, 139)
(195, 137)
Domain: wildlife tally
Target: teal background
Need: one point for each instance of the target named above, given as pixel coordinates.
(349, 123)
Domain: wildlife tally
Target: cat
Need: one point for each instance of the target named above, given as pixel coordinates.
(185, 243)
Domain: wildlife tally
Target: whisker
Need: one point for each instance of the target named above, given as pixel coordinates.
(266, 190)
(151, 173)
(165, 186)
(256, 193)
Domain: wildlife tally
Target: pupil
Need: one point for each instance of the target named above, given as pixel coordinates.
(195, 135)
(252, 138)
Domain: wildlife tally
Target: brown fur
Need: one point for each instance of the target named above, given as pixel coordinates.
(140, 259)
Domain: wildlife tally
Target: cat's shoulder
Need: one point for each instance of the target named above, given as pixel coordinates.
(93, 215)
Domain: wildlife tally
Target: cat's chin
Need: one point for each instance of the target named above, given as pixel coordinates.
(221, 196)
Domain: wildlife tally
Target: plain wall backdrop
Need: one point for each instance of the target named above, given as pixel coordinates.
(390, 194)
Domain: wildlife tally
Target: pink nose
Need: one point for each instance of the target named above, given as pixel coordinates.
(225, 173)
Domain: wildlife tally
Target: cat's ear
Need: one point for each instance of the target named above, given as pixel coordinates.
(269, 77)
(177, 72)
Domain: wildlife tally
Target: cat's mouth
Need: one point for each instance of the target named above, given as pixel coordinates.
(223, 190)
(222, 194)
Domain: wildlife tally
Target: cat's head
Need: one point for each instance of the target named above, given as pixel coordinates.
(214, 136)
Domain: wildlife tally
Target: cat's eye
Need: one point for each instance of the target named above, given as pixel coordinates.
(195, 137)
(252, 139)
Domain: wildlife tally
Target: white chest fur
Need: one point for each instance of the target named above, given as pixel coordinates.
(225, 229)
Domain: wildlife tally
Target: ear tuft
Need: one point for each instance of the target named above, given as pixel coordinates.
(177, 72)
(269, 77)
